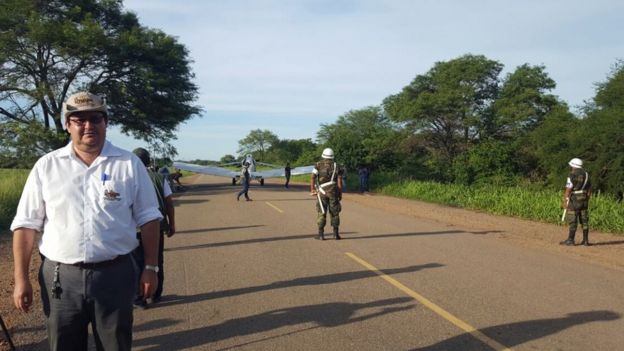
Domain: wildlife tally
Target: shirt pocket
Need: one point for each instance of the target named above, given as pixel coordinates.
(114, 195)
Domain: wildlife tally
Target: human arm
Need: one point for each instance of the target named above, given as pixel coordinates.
(312, 183)
(339, 185)
(150, 237)
(170, 215)
(23, 245)
(566, 197)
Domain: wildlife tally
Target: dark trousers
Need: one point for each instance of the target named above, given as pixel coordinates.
(244, 191)
(100, 296)
(363, 183)
(139, 258)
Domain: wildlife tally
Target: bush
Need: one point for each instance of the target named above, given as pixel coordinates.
(11, 184)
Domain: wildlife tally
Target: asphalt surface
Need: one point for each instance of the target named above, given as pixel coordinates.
(249, 276)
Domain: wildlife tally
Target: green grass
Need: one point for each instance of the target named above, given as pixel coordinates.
(539, 205)
(11, 184)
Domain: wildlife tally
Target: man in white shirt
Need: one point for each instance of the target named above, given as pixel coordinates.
(86, 199)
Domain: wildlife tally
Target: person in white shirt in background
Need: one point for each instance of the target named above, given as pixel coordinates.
(86, 199)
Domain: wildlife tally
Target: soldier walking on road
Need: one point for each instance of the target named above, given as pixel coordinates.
(326, 185)
(576, 201)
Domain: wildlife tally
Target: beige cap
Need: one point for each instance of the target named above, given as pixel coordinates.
(84, 101)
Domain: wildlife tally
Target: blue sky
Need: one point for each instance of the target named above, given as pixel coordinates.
(289, 66)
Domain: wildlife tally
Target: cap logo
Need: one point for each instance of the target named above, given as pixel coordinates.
(83, 100)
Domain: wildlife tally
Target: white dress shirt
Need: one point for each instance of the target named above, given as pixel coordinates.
(87, 213)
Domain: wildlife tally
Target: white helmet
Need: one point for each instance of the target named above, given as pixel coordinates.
(328, 153)
(576, 163)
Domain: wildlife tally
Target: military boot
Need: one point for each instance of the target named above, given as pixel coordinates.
(570, 240)
(321, 235)
(585, 241)
(336, 235)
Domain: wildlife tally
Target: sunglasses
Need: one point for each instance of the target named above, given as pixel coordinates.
(81, 121)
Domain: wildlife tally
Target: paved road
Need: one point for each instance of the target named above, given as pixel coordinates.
(249, 276)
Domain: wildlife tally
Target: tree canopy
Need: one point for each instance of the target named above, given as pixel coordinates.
(51, 49)
(257, 143)
(363, 137)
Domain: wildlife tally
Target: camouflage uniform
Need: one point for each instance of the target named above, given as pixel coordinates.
(331, 199)
(578, 204)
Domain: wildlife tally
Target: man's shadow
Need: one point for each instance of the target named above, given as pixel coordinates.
(514, 334)
(325, 315)
(286, 284)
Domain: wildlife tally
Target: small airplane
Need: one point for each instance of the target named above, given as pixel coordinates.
(249, 163)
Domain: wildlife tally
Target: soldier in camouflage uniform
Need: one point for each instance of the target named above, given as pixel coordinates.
(326, 185)
(576, 201)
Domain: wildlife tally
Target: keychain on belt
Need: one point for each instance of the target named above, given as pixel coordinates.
(56, 284)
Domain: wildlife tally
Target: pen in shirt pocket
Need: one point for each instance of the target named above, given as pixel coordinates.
(105, 177)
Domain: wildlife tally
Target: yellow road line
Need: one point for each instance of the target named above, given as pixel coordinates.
(432, 306)
(275, 207)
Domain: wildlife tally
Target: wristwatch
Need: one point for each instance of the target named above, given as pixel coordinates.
(149, 267)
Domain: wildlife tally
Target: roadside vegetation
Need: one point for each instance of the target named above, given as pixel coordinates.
(539, 205)
(543, 205)
(11, 184)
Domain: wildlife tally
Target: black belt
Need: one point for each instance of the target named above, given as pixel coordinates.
(96, 265)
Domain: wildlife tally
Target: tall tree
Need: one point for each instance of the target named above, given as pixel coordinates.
(522, 102)
(284, 151)
(51, 49)
(257, 142)
(600, 138)
(447, 104)
(364, 136)
(551, 145)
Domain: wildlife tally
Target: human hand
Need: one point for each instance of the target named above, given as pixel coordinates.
(148, 283)
(171, 231)
(23, 295)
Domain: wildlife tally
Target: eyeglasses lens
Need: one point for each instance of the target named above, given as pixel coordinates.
(82, 121)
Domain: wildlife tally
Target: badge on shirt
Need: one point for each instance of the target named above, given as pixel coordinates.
(111, 195)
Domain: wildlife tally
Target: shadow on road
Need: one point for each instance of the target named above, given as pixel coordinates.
(345, 236)
(246, 241)
(185, 201)
(613, 242)
(399, 235)
(514, 334)
(325, 315)
(217, 229)
(297, 282)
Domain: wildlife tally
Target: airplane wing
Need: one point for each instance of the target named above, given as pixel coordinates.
(268, 164)
(211, 170)
(279, 172)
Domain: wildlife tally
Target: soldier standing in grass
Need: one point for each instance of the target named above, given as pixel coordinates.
(576, 201)
(326, 185)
